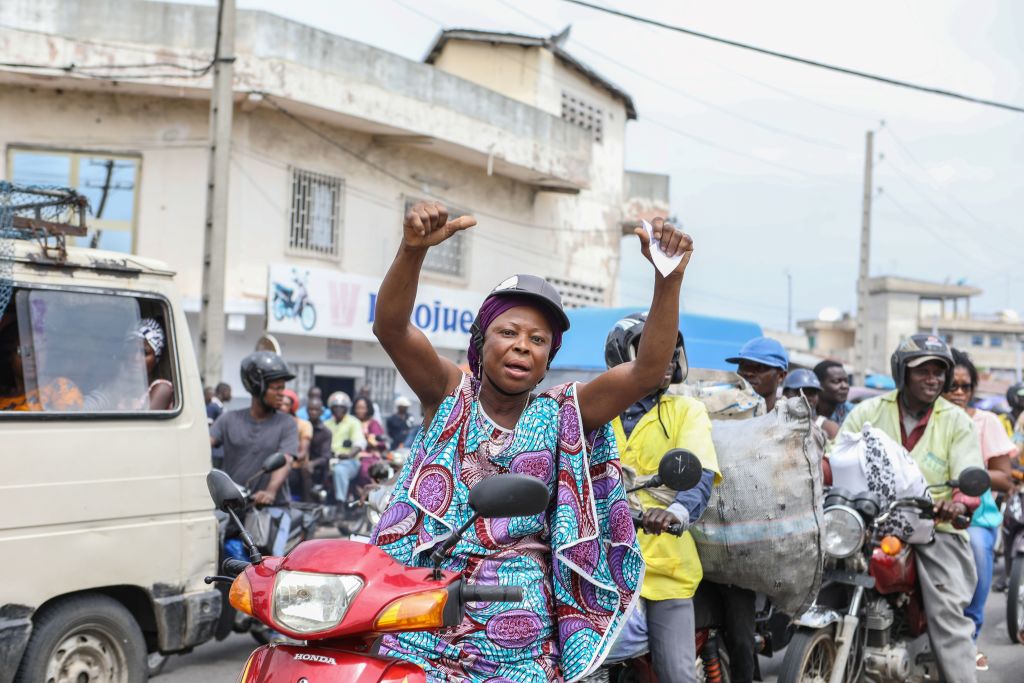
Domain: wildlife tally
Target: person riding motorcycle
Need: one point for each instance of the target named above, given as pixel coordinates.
(347, 441)
(251, 434)
(943, 441)
(1013, 422)
(644, 432)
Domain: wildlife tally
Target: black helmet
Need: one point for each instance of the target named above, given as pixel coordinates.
(1015, 397)
(260, 369)
(624, 340)
(916, 350)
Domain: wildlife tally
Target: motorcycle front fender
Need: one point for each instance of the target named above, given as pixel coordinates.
(270, 663)
(818, 617)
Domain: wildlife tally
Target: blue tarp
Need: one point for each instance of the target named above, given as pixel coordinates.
(709, 340)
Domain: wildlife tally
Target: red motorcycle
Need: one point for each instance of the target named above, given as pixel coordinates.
(868, 621)
(339, 596)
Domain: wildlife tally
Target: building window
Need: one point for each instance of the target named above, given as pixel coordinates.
(108, 181)
(995, 341)
(977, 340)
(316, 214)
(577, 294)
(449, 257)
(587, 116)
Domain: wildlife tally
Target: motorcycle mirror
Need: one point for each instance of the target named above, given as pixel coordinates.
(274, 461)
(679, 469)
(973, 481)
(509, 495)
(225, 492)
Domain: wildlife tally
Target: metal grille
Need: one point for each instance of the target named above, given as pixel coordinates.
(316, 214)
(29, 211)
(577, 294)
(449, 257)
(381, 382)
(587, 116)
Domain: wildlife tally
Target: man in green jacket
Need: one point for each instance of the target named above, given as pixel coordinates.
(942, 440)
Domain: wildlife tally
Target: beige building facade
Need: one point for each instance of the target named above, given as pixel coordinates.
(899, 307)
(332, 141)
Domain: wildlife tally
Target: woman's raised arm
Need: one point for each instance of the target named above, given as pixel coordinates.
(616, 389)
(429, 375)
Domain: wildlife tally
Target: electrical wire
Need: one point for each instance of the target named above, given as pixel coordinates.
(800, 60)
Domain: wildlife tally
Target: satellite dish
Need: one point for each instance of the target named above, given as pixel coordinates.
(268, 343)
(830, 314)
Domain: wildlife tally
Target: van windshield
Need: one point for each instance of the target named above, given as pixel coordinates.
(80, 352)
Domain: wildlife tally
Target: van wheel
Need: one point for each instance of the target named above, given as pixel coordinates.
(85, 638)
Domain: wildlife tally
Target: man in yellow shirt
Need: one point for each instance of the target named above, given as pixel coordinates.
(346, 441)
(645, 432)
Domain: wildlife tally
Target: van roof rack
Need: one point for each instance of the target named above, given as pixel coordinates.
(46, 214)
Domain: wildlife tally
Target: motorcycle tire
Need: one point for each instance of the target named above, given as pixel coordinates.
(91, 631)
(280, 308)
(1015, 601)
(810, 655)
(308, 317)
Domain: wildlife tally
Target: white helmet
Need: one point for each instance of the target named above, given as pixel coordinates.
(402, 402)
(339, 398)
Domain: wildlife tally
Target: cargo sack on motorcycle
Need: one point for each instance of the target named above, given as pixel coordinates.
(764, 527)
(726, 395)
(872, 461)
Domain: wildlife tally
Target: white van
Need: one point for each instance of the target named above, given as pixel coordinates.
(106, 526)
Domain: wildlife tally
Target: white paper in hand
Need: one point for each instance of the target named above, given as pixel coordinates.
(664, 263)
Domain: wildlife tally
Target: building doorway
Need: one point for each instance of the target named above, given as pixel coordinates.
(328, 385)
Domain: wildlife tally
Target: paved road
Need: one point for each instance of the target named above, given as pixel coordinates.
(221, 662)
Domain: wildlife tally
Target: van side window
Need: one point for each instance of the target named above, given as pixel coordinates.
(83, 352)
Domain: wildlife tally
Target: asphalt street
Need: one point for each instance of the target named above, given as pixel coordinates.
(221, 662)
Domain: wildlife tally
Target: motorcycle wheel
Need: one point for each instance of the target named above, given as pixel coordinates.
(1015, 601)
(280, 308)
(308, 316)
(810, 656)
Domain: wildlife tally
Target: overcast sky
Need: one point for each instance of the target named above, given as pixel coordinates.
(766, 156)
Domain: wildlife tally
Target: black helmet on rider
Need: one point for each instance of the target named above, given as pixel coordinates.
(261, 368)
(919, 349)
(1015, 397)
(624, 339)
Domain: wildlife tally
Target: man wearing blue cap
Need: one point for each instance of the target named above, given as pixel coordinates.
(763, 362)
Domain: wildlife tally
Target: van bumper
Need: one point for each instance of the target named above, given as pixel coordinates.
(185, 620)
(15, 628)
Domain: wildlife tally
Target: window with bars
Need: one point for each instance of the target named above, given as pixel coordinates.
(449, 257)
(577, 294)
(316, 214)
(586, 115)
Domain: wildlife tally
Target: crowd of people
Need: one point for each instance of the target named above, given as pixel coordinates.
(582, 568)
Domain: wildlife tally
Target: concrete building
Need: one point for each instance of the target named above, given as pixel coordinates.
(899, 307)
(332, 141)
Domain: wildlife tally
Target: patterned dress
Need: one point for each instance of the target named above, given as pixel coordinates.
(578, 563)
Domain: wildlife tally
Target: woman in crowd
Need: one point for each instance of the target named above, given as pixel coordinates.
(578, 563)
(160, 394)
(362, 408)
(290, 405)
(996, 449)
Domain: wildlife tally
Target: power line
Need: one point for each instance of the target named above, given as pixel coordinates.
(800, 60)
(674, 89)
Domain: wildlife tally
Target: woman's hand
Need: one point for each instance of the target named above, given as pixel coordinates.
(669, 239)
(427, 225)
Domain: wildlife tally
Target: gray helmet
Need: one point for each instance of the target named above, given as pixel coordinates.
(339, 398)
(802, 379)
(916, 350)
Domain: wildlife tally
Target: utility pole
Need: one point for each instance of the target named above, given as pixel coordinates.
(211, 316)
(861, 337)
(789, 301)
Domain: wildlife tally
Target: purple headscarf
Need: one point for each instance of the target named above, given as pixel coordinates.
(495, 305)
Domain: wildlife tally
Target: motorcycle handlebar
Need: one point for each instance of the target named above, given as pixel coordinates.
(471, 593)
(676, 528)
(233, 567)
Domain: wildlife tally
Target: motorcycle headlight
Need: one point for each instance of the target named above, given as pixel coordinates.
(309, 603)
(844, 531)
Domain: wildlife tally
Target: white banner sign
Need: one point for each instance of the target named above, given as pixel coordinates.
(328, 303)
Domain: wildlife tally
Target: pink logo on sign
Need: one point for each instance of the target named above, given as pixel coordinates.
(343, 297)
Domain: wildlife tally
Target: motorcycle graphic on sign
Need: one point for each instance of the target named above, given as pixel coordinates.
(293, 302)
